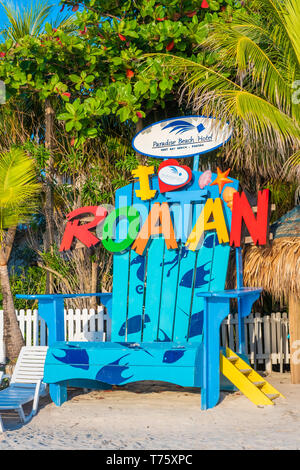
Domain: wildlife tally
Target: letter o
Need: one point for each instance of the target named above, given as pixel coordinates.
(133, 216)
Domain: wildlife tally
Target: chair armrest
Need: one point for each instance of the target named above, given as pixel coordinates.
(243, 292)
(106, 300)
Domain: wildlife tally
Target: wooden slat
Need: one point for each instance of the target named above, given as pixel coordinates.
(121, 277)
(285, 334)
(274, 339)
(267, 343)
(137, 277)
(155, 272)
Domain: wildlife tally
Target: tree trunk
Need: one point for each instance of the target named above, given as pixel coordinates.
(13, 338)
(49, 204)
(294, 318)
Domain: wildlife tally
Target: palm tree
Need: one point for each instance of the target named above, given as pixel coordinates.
(18, 201)
(30, 19)
(252, 83)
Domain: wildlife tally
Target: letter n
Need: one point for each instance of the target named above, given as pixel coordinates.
(258, 227)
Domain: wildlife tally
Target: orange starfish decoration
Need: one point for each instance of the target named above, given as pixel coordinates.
(221, 179)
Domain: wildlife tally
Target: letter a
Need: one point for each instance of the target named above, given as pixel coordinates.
(158, 222)
(212, 207)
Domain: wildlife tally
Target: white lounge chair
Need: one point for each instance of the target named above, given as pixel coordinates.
(26, 383)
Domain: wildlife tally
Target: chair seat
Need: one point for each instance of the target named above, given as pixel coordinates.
(122, 362)
(16, 395)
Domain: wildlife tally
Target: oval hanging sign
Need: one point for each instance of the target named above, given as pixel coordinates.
(181, 137)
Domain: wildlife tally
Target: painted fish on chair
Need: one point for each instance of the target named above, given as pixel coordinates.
(134, 324)
(173, 355)
(196, 323)
(74, 357)
(201, 272)
(112, 372)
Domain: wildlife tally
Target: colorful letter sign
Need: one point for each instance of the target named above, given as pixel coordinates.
(143, 173)
(168, 216)
(109, 238)
(82, 232)
(158, 222)
(211, 208)
(258, 227)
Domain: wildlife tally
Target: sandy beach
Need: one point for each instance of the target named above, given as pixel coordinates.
(159, 416)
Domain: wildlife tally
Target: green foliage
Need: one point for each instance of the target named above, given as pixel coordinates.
(99, 70)
(26, 281)
(251, 84)
(283, 196)
(18, 188)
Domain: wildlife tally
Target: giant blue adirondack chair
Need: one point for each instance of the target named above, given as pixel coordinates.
(166, 309)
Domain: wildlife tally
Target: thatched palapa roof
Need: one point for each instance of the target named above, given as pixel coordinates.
(276, 268)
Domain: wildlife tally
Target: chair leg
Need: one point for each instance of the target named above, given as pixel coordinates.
(21, 413)
(36, 398)
(58, 393)
(1, 425)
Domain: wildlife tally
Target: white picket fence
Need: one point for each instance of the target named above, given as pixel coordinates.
(266, 336)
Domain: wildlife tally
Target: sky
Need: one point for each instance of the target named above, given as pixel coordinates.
(24, 3)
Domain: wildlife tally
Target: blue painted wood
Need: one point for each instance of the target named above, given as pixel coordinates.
(155, 273)
(121, 363)
(216, 308)
(121, 263)
(58, 392)
(166, 328)
(184, 294)
(137, 276)
(239, 285)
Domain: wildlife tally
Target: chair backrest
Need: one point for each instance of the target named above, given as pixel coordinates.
(154, 295)
(30, 365)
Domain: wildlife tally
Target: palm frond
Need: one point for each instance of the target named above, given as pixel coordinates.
(18, 188)
(252, 83)
(30, 19)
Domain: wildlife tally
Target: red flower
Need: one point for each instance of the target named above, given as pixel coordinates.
(170, 45)
(160, 19)
(75, 8)
(68, 95)
(121, 37)
(72, 141)
(139, 114)
(84, 30)
(2, 54)
(204, 4)
(129, 73)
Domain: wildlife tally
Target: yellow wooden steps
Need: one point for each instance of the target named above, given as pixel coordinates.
(247, 380)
